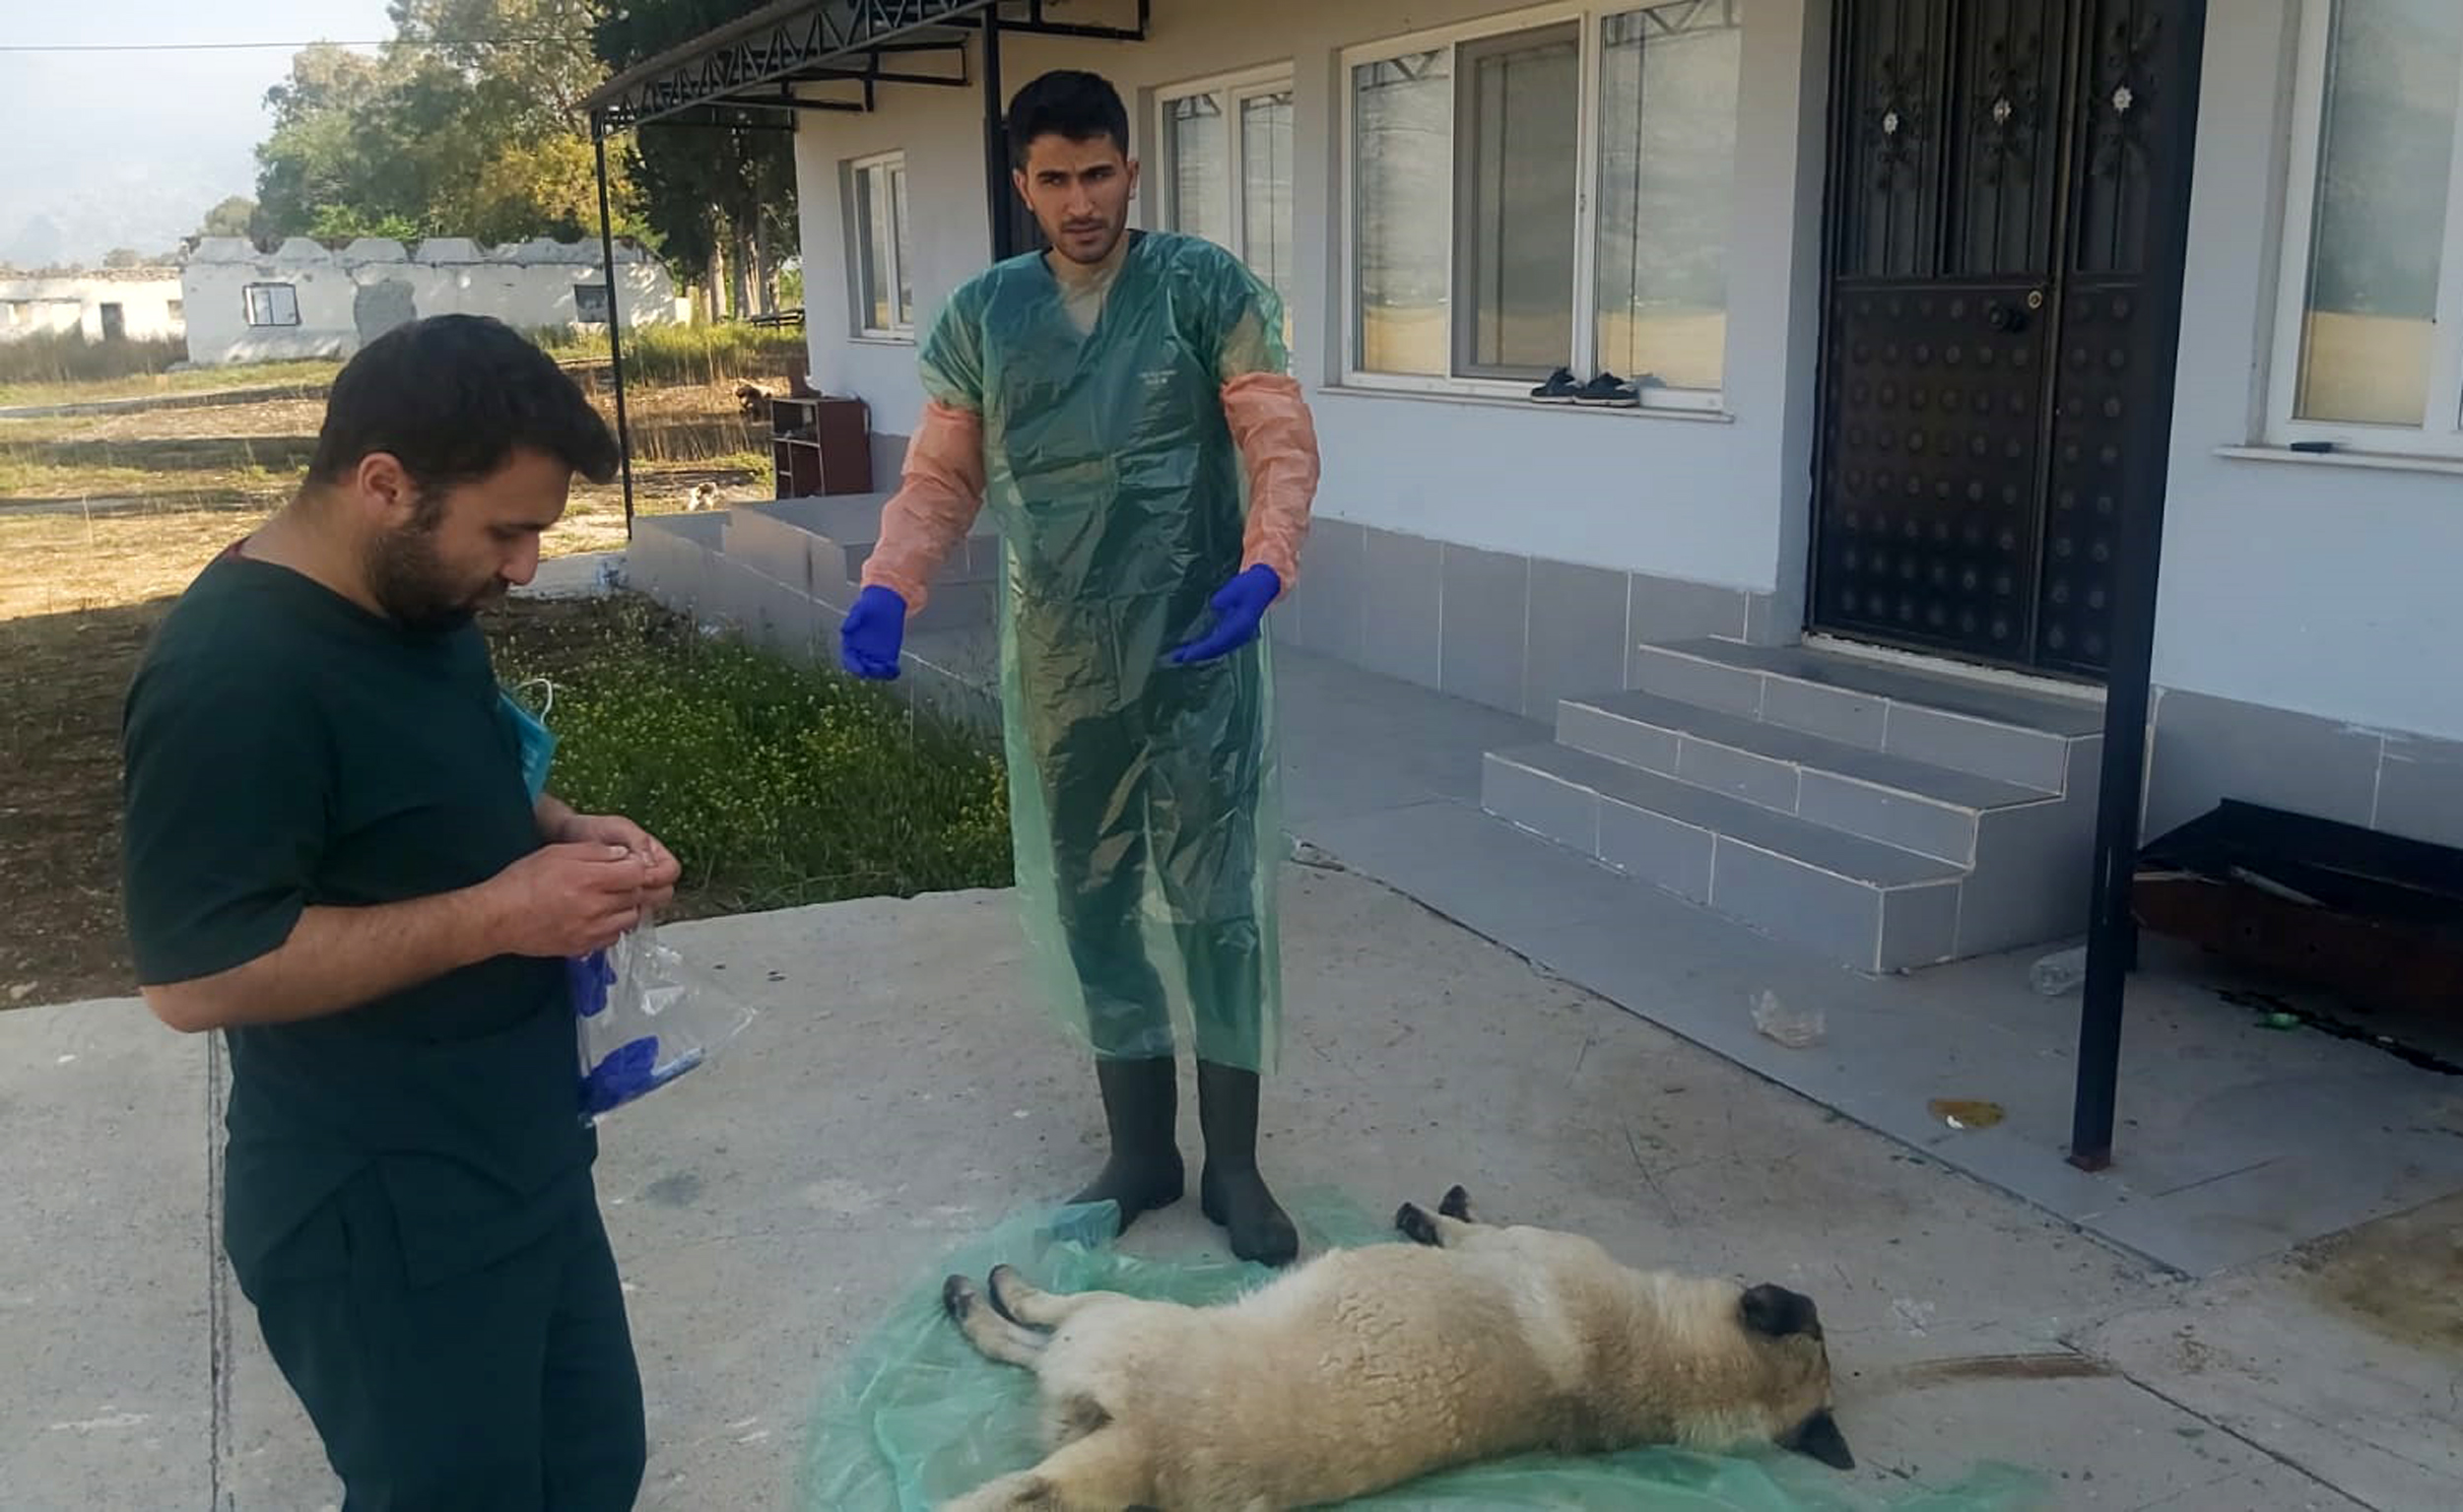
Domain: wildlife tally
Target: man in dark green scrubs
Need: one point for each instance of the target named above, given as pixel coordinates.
(334, 857)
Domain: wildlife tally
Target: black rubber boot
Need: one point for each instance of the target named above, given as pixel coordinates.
(1231, 1191)
(1141, 1109)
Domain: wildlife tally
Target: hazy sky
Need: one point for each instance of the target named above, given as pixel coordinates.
(128, 149)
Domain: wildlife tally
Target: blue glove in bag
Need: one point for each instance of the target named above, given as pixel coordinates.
(644, 1019)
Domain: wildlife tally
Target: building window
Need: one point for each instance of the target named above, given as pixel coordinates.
(174, 309)
(1477, 258)
(2370, 334)
(1227, 172)
(883, 287)
(590, 305)
(271, 303)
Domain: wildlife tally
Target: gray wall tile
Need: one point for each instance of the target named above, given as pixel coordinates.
(1757, 779)
(1603, 734)
(1823, 912)
(1324, 609)
(1690, 680)
(1402, 578)
(2209, 748)
(1564, 812)
(1665, 609)
(1576, 635)
(1763, 624)
(1656, 849)
(1919, 926)
(1893, 818)
(2027, 758)
(1485, 615)
(2420, 789)
(1835, 712)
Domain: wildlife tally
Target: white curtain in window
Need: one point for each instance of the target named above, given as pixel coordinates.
(1404, 145)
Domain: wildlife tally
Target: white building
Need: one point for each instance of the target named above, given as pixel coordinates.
(304, 299)
(103, 304)
(1893, 276)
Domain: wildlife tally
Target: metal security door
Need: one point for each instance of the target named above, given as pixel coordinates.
(1988, 208)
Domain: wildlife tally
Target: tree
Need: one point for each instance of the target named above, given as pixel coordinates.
(233, 217)
(466, 125)
(714, 201)
(123, 257)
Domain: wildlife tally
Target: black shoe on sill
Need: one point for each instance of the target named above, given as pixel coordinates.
(1559, 389)
(1607, 391)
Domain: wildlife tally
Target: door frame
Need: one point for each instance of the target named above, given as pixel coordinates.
(1839, 117)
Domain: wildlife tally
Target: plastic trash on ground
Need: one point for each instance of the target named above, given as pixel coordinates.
(2059, 972)
(1798, 1028)
(917, 1418)
(644, 1018)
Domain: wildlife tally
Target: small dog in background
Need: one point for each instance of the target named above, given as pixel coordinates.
(1368, 1367)
(705, 496)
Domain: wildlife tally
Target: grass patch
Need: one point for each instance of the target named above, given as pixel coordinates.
(685, 353)
(54, 369)
(775, 784)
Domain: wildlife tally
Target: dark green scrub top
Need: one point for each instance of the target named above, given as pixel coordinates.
(288, 749)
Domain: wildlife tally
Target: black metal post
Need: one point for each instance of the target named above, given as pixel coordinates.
(615, 315)
(2112, 939)
(996, 184)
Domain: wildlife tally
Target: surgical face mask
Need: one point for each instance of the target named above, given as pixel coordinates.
(536, 742)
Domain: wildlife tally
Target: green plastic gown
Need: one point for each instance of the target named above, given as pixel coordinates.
(1143, 796)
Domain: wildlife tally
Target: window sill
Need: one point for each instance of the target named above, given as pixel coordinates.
(878, 339)
(2373, 461)
(1712, 417)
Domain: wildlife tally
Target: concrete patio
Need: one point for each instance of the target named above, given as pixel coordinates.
(1470, 1004)
(897, 1095)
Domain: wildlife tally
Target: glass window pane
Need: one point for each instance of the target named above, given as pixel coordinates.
(1520, 119)
(874, 198)
(1266, 193)
(1197, 147)
(1404, 147)
(906, 311)
(2386, 167)
(1667, 165)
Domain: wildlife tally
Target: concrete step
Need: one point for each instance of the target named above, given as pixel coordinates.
(2011, 735)
(819, 545)
(1933, 811)
(1869, 905)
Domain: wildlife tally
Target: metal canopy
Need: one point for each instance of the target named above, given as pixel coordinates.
(756, 63)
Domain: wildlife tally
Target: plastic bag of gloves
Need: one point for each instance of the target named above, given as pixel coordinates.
(644, 1017)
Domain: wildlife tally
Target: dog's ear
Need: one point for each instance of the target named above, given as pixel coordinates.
(1779, 1312)
(1818, 1437)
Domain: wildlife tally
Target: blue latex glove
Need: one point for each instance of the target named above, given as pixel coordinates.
(1239, 607)
(873, 631)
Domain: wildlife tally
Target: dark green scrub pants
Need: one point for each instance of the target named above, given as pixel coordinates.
(511, 1388)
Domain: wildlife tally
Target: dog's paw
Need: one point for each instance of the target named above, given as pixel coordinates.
(996, 1291)
(1457, 1206)
(1416, 1225)
(958, 1298)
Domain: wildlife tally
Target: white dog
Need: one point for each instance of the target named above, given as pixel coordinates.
(1368, 1367)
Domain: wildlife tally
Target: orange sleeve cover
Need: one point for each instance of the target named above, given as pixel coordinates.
(1278, 442)
(939, 493)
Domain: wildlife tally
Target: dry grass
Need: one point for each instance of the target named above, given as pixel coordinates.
(103, 518)
(56, 389)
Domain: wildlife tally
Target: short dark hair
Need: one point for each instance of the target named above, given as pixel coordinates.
(1069, 102)
(451, 397)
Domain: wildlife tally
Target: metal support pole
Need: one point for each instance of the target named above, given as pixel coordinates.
(996, 184)
(615, 318)
(2112, 939)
